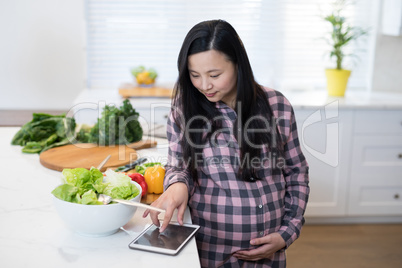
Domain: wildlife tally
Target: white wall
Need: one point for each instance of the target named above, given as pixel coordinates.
(42, 59)
(387, 67)
(387, 75)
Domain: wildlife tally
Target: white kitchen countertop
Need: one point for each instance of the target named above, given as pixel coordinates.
(299, 99)
(33, 235)
(357, 100)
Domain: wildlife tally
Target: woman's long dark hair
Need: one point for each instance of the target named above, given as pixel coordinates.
(221, 36)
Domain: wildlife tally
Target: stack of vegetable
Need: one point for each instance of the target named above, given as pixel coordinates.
(83, 186)
(143, 76)
(150, 177)
(116, 126)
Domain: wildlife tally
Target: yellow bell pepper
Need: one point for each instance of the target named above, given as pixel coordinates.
(154, 178)
(145, 78)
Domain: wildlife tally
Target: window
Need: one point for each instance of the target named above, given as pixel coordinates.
(283, 39)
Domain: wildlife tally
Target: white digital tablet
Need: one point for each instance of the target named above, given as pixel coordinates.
(170, 241)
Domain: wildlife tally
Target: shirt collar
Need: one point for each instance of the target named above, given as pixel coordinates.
(225, 109)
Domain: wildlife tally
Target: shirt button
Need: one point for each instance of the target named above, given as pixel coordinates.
(261, 233)
(259, 206)
(252, 179)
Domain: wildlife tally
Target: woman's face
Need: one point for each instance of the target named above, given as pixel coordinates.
(214, 76)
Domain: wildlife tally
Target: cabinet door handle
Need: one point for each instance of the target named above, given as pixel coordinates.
(396, 196)
(400, 156)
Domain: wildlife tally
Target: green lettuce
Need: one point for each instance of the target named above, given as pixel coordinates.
(120, 186)
(89, 198)
(67, 192)
(83, 178)
(82, 186)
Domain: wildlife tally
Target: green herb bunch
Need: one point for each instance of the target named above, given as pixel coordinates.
(116, 126)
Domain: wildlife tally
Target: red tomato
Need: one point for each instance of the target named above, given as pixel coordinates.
(138, 178)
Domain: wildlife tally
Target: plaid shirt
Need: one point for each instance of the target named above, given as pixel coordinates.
(231, 211)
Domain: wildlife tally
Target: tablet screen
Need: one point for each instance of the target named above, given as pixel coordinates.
(169, 241)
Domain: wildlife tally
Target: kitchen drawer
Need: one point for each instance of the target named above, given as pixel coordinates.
(376, 183)
(376, 200)
(390, 194)
(382, 155)
(378, 122)
(377, 156)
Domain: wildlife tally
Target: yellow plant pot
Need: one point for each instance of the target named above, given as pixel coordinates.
(337, 81)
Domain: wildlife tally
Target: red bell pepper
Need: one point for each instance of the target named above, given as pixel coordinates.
(139, 178)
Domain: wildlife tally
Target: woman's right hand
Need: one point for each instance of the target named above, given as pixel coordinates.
(176, 196)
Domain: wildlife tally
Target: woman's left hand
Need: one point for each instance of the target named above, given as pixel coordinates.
(269, 244)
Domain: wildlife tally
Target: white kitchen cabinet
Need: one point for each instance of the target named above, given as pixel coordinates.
(325, 141)
(152, 111)
(367, 180)
(376, 167)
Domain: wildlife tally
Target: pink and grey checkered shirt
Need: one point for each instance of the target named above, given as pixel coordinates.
(231, 211)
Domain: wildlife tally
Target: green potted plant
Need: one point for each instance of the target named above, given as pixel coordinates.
(341, 36)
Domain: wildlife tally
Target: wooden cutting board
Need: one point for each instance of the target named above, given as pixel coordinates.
(87, 155)
(149, 198)
(128, 90)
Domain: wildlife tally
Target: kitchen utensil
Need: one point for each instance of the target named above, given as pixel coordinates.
(104, 162)
(105, 199)
(131, 165)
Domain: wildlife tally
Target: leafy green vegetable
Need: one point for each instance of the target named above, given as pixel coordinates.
(141, 169)
(83, 178)
(45, 131)
(82, 186)
(89, 198)
(116, 126)
(135, 71)
(67, 192)
(120, 186)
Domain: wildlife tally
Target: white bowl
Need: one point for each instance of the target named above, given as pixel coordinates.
(96, 220)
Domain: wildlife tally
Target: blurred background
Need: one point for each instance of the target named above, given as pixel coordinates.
(57, 54)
